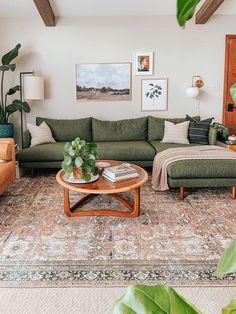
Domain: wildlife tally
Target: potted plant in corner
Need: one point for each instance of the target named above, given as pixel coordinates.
(6, 128)
(79, 160)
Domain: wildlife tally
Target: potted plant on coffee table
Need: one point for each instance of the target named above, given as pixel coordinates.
(79, 160)
(6, 128)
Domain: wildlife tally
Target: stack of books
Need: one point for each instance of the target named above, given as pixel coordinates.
(119, 173)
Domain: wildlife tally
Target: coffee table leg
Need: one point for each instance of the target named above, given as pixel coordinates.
(67, 202)
(134, 209)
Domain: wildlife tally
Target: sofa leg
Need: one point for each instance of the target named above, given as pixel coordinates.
(32, 172)
(234, 192)
(181, 193)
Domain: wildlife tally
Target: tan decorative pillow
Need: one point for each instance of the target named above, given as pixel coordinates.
(176, 133)
(40, 134)
(5, 152)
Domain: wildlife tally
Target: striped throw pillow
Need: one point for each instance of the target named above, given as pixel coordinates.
(176, 133)
(40, 134)
(199, 130)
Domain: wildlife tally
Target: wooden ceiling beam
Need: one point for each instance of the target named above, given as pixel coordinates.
(207, 10)
(46, 12)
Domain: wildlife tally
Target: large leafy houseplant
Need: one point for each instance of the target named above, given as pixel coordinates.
(79, 159)
(16, 105)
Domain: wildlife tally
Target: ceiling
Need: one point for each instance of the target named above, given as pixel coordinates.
(76, 8)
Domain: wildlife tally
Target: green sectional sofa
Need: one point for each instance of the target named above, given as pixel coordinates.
(133, 140)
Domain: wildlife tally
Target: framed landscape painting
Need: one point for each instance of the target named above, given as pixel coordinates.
(154, 94)
(103, 81)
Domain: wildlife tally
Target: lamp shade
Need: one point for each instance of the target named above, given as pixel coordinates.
(33, 87)
(192, 92)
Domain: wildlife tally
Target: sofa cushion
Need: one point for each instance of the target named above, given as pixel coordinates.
(64, 130)
(213, 168)
(156, 126)
(176, 133)
(130, 151)
(40, 134)
(5, 152)
(139, 150)
(159, 147)
(43, 152)
(199, 130)
(120, 130)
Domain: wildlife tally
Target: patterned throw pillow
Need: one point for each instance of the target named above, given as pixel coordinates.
(199, 130)
(176, 133)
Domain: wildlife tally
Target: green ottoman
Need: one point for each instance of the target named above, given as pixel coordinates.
(202, 173)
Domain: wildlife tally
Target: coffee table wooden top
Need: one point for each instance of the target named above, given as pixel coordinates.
(103, 186)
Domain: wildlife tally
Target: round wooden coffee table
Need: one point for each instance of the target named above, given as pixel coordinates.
(103, 186)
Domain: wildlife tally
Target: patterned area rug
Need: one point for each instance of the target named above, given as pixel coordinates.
(172, 242)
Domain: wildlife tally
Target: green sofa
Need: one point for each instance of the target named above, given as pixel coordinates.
(133, 140)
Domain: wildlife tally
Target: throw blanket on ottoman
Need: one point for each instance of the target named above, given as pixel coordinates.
(170, 155)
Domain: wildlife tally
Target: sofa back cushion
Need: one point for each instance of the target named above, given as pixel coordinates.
(156, 126)
(120, 130)
(64, 130)
(5, 152)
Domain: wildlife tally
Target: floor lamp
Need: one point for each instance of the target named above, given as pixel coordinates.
(31, 88)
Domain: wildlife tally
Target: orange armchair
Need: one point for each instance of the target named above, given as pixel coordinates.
(7, 168)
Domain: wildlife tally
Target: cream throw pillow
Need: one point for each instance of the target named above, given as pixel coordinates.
(40, 134)
(176, 133)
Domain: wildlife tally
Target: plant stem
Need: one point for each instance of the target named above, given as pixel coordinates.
(2, 99)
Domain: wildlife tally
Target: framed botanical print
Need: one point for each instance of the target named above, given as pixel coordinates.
(103, 81)
(144, 63)
(154, 94)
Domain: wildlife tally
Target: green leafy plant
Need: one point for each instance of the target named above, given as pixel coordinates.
(227, 262)
(79, 159)
(227, 265)
(185, 10)
(16, 105)
(141, 299)
(222, 131)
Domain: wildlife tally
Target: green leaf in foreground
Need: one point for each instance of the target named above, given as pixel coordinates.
(233, 92)
(185, 10)
(231, 308)
(141, 299)
(227, 262)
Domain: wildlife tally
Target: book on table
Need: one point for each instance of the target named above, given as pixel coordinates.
(119, 173)
(120, 178)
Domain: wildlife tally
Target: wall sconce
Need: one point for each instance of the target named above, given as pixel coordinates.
(197, 83)
(31, 88)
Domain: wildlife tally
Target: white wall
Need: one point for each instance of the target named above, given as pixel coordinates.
(179, 54)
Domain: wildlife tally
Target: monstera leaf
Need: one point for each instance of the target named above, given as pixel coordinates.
(231, 308)
(11, 55)
(233, 92)
(141, 299)
(227, 262)
(185, 10)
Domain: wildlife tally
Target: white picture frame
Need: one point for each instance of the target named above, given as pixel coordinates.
(144, 63)
(154, 93)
